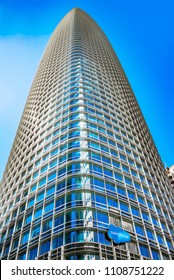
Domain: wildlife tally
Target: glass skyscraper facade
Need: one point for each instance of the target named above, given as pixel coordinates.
(83, 158)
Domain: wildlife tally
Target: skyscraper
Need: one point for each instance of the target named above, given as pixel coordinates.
(83, 159)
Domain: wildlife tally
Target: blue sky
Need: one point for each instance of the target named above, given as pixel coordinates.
(141, 32)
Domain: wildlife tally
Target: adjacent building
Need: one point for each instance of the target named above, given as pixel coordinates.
(170, 174)
(83, 159)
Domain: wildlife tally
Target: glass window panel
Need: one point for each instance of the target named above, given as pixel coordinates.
(103, 240)
(32, 253)
(60, 203)
(169, 244)
(121, 191)
(142, 178)
(22, 256)
(44, 168)
(35, 174)
(98, 183)
(102, 217)
(125, 168)
(35, 231)
(47, 225)
(58, 220)
(11, 229)
(112, 202)
(131, 161)
(40, 196)
(31, 202)
(141, 200)
(62, 159)
(19, 225)
(134, 173)
(155, 221)
(122, 157)
(6, 250)
(37, 162)
(62, 172)
(52, 176)
(116, 164)
(38, 213)
(97, 169)
(144, 251)
(160, 239)
(73, 155)
(50, 190)
(120, 147)
(108, 172)
(93, 135)
(106, 160)
(100, 199)
(150, 204)
(150, 234)
(139, 229)
(53, 163)
(163, 226)
(110, 186)
(25, 237)
(14, 214)
(131, 195)
(61, 185)
(124, 206)
(155, 254)
(73, 168)
(95, 145)
(57, 241)
(110, 141)
(49, 206)
(158, 209)
(118, 176)
(145, 216)
(128, 181)
(146, 191)
(137, 185)
(135, 211)
(95, 156)
(104, 148)
(45, 247)
(15, 243)
(22, 208)
(42, 182)
(54, 152)
(114, 153)
(33, 188)
(28, 218)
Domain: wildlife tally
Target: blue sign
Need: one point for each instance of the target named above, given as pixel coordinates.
(118, 235)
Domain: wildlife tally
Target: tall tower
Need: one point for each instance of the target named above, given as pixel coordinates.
(82, 159)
